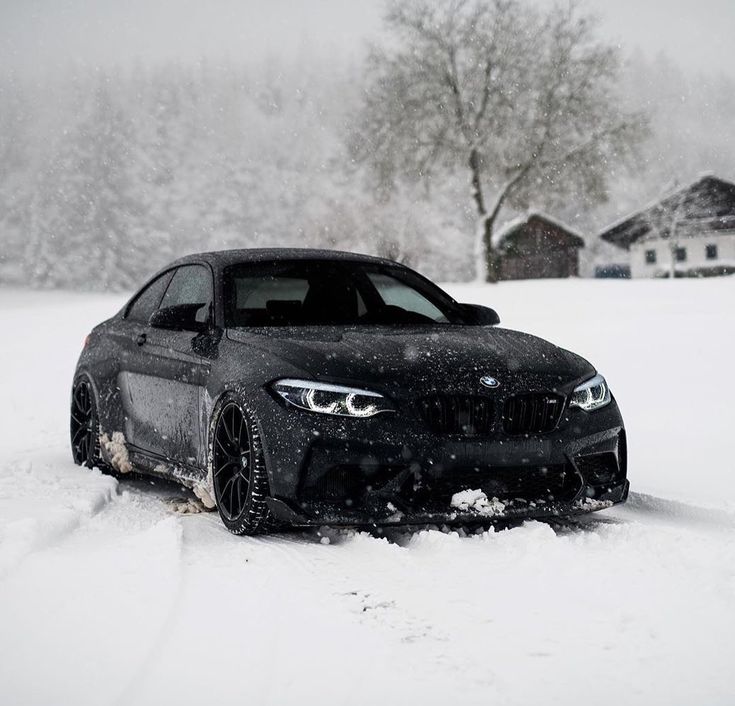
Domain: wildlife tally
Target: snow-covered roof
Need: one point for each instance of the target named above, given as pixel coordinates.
(708, 191)
(507, 228)
(514, 225)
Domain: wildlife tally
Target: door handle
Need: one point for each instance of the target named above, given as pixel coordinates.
(141, 339)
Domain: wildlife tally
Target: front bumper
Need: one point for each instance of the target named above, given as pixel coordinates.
(512, 510)
(390, 469)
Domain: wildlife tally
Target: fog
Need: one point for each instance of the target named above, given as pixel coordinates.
(228, 124)
(38, 34)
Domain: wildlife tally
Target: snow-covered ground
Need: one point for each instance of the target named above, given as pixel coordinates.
(108, 595)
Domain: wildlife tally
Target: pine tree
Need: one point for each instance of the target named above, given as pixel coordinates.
(87, 226)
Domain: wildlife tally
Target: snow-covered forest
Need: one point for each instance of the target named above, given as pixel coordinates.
(106, 174)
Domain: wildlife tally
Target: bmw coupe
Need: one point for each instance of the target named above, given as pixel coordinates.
(306, 387)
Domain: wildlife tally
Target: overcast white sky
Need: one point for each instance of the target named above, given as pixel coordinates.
(35, 33)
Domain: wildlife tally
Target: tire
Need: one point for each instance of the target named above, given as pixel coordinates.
(239, 476)
(84, 425)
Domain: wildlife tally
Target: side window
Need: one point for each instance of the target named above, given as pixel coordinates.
(147, 301)
(393, 292)
(191, 284)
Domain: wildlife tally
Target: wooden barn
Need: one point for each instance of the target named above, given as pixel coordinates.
(538, 247)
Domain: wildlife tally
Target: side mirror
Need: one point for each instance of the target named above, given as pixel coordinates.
(181, 317)
(478, 315)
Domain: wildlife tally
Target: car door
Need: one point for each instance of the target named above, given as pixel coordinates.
(127, 336)
(163, 380)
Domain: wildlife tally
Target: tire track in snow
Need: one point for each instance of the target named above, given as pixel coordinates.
(98, 601)
(156, 499)
(663, 510)
(176, 599)
(42, 505)
(145, 654)
(279, 603)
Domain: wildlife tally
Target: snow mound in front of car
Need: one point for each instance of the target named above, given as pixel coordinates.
(476, 501)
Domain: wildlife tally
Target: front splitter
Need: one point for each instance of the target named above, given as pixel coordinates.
(513, 510)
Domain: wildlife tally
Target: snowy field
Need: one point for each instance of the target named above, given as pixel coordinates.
(110, 595)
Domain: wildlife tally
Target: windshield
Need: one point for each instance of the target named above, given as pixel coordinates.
(324, 293)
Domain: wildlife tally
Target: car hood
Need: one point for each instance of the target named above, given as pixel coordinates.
(420, 357)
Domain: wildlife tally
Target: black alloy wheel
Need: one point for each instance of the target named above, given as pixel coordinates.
(238, 472)
(84, 425)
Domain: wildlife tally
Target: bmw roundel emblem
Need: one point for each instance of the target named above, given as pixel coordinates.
(489, 381)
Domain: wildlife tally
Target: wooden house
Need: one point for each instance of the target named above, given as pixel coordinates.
(690, 232)
(537, 247)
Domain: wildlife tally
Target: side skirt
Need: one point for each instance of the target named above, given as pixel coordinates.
(188, 476)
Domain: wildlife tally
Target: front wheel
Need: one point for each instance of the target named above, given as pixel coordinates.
(238, 468)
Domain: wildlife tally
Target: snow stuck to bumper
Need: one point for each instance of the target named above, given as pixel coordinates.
(477, 501)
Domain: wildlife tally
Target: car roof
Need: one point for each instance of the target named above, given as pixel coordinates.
(224, 258)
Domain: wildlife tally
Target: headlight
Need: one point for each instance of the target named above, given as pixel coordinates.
(591, 395)
(332, 399)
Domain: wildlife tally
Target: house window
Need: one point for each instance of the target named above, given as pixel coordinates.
(680, 254)
(710, 251)
(650, 257)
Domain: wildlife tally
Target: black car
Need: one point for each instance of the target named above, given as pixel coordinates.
(306, 387)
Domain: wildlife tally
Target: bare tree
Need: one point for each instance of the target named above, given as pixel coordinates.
(665, 220)
(524, 101)
(678, 215)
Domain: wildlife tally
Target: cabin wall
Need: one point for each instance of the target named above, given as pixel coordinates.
(696, 254)
(554, 263)
(540, 249)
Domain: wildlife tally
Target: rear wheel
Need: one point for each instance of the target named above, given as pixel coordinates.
(238, 468)
(84, 426)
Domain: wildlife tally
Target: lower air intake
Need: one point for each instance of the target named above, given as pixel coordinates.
(599, 469)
